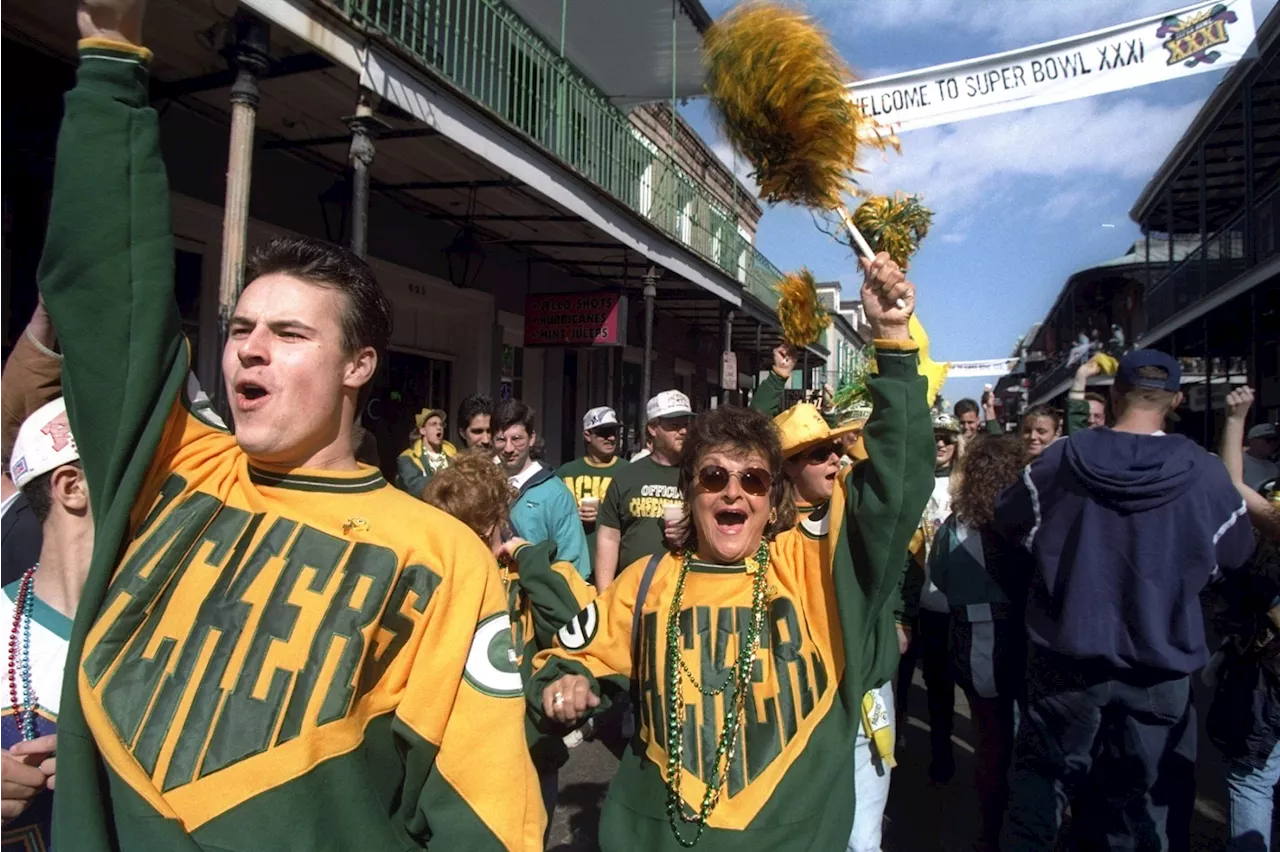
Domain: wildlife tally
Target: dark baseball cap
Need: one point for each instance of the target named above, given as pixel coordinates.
(1139, 358)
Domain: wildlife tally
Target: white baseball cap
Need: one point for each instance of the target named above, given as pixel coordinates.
(44, 443)
(670, 403)
(600, 416)
(1263, 430)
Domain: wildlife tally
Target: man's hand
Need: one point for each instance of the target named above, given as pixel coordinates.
(1239, 401)
(588, 512)
(41, 751)
(117, 20)
(1086, 371)
(884, 286)
(568, 699)
(784, 361)
(904, 639)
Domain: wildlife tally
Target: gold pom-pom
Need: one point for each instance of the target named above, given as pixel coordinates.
(894, 224)
(779, 87)
(801, 315)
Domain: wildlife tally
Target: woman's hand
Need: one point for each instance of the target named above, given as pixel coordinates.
(506, 551)
(568, 699)
(41, 752)
(117, 20)
(1231, 449)
(883, 287)
(784, 361)
(1239, 401)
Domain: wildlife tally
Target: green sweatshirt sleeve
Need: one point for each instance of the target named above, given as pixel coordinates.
(887, 495)
(1077, 415)
(994, 427)
(107, 279)
(410, 478)
(555, 596)
(769, 397)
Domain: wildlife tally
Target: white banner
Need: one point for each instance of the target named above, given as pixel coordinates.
(978, 369)
(1199, 38)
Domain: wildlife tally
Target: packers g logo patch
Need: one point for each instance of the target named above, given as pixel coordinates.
(491, 663)
(580, 630)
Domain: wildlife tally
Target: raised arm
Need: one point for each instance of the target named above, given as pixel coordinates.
(769, 397)
(107, 269)
(888, 492)
(32, 376)
(1231, 449)
(1077, 405)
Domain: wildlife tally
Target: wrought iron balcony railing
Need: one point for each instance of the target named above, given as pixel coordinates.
(486, 51)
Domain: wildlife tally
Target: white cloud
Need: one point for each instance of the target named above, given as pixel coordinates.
(738, 165)
(954, 237)
(963, 167)
(1071, 203)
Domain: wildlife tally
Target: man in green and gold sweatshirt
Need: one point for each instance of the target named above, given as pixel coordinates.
(275, 649)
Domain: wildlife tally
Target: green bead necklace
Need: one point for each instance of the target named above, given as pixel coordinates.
(739, 675)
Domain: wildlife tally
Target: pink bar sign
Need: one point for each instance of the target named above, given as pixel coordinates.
(575, 319)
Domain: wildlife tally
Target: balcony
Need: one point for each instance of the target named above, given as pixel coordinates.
(1215, 263)
(488, 53)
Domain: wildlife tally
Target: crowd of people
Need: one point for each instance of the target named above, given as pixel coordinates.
(245, 638)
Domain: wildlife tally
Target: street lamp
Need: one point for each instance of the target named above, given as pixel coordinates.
(465, 257)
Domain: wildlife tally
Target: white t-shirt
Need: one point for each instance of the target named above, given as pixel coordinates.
(937, 511)
(50, 633)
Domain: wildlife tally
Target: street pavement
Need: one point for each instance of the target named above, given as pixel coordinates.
(920, 817)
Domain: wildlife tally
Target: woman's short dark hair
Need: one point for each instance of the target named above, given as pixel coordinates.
(366, 320)
(990, 464)
(737, 430)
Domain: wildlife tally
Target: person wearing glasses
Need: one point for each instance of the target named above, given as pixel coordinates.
(543, 509)
(641, 497)
(748, 650)
(588, 477)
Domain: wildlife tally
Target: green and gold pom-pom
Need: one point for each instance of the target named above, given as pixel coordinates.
(801, 315)
(779, 87)
(894, 224)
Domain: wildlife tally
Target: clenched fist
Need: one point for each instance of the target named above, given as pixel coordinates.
(117, 20)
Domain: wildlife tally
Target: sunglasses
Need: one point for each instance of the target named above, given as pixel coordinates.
(822, 452)
(605, 432)
(755, 481)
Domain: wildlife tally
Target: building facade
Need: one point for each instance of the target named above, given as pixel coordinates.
(475, 163)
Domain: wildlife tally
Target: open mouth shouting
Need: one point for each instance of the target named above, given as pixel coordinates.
(249, 395)
(731, 522)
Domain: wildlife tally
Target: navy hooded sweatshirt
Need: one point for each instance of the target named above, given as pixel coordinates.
(1124, 531)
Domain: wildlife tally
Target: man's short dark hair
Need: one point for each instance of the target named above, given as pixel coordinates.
(477, 403)
(39, 492)
(966, 406)
(511, 412)
(1096, 397)
(1128, 395)
(366, 321)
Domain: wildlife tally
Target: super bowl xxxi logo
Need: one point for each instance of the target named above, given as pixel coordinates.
(1191, 39)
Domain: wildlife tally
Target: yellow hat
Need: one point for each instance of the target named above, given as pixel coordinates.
(802, 426)
(426, 414)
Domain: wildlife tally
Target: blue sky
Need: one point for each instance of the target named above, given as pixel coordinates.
(1021, 200)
